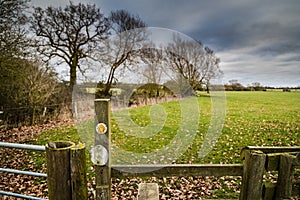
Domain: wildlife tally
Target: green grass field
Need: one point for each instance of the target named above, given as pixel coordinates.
(257, 119)
(252, 119)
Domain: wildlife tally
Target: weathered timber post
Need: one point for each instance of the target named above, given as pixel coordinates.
(78, 173)
(58, 170)
(66, 171)
(253, 170)
(285, 177)
(100, 152)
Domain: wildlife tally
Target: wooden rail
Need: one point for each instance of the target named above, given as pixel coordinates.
(271, 149)
(177, 170)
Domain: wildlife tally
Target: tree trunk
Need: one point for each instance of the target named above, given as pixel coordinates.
(33, 115)
(73, 76)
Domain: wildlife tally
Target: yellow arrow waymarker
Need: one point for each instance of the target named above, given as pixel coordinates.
(101, 128)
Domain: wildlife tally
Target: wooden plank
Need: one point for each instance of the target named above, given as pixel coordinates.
(285, 177)
(148, 191)
(103, 172)
(78, 173)
(58, 170)
(177, 170)
(272, 163)
(254, 166)
(271, 149)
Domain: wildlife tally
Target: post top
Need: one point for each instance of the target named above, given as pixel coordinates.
(60, 145)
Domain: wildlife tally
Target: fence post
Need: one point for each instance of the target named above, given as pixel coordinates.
(58, 170)
(253, 170)
(78, 173)
(100, 152)
(66, 171)
(285, 176)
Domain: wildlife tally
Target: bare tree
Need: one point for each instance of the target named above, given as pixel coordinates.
(12, 42)
(38, 85)
(123, 46)
(25, 85)
(194, 62)
(211, 70)
(69, 34)
(12, 30)
(27, 88)
(153, 59)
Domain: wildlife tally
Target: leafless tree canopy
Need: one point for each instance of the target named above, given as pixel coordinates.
(127, 37)
(124, 21)
(153, 59)
(70, 33)
(194, 62)
(12, 31)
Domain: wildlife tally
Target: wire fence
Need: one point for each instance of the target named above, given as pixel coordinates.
(13, 117)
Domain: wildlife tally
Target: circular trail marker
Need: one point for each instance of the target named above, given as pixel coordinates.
(101, 128)
(99, 155)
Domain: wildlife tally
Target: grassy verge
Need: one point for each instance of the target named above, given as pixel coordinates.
(252, 118)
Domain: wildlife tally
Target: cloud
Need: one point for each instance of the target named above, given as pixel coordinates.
(260, 36)
(280, 70)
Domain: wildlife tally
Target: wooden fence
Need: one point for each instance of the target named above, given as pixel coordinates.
(66, 172)
(258, 160)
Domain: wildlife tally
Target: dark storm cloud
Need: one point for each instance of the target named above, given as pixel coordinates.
(253, 38)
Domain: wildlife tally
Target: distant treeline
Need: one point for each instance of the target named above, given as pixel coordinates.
(234, 85)
(262, 88)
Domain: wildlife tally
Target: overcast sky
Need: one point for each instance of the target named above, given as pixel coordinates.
(257, 41)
